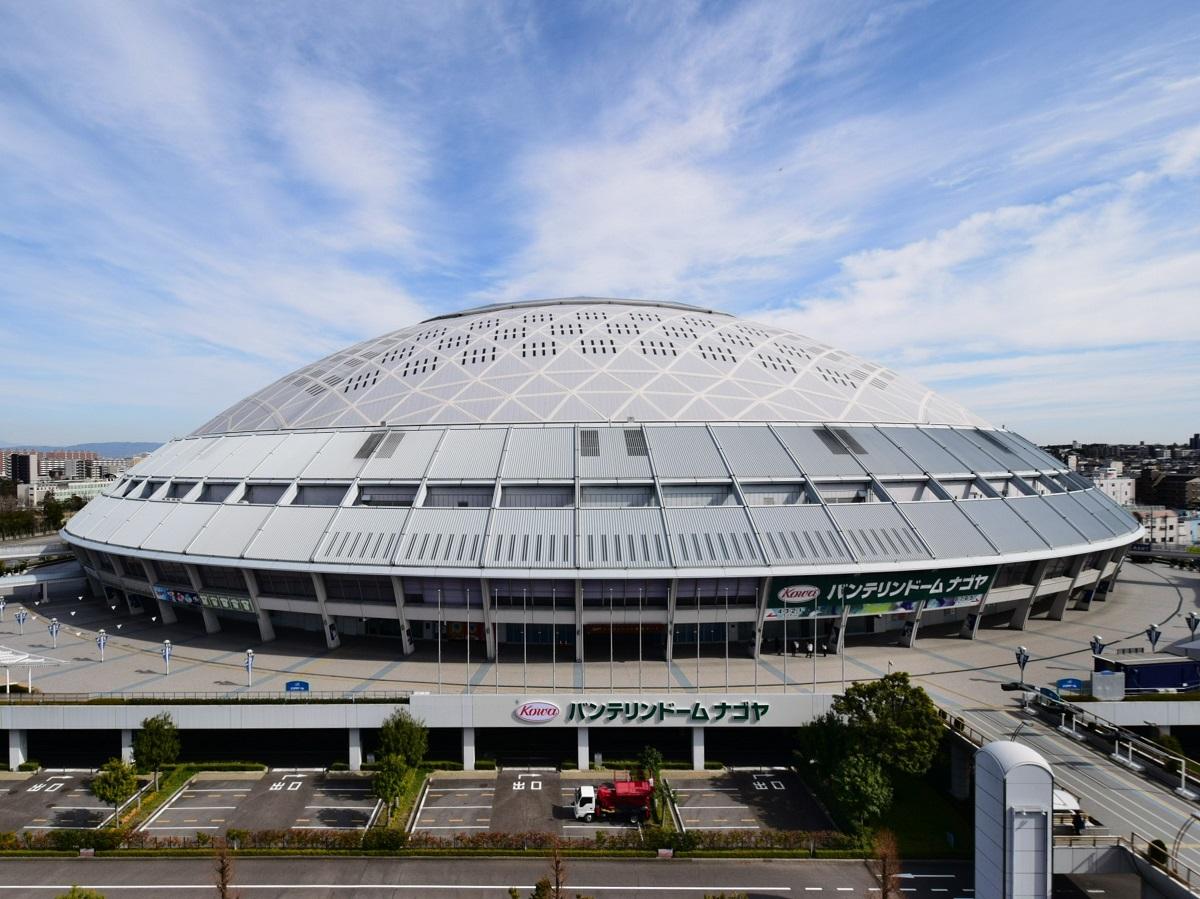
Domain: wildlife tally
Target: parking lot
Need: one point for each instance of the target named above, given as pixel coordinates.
(296, 800)
(744, 800)
(513, 801)
(51, 801)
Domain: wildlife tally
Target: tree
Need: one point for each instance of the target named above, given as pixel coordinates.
(892, 720)
(823, 742)
(115, 783)
(78, 892)
(156, 745)
(74, 502)
(225, 873)
(862, 790)
(52, 512)
(887, 863)
(389, 782)
(404, 736)
(651, 762)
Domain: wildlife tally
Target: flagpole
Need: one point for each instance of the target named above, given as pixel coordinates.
(524, 642)
(785, 611)
(496, 637)
(726, 639)
(553, 639)
(439, 642)
(640, 589)
(697, 641)
(610, 640)
(468, 682)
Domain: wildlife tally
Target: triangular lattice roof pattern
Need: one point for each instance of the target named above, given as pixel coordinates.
(587, 360)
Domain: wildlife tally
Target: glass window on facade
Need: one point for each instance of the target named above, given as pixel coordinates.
(170, 573)
(449, 591)
(229, 580)
(651, 593)
(447, 497)
(740, 591)
(320, 495)
(359, 588)
(545, 594)
(698, 495)
(292, 584)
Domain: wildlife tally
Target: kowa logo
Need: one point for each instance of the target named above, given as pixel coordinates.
(799, 593)
(536, 712)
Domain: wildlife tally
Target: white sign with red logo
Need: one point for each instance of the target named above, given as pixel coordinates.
(799, 593)
(537, 711)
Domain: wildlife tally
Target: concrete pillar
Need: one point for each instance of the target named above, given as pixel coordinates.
(1089, 593)
(1021, 613)
(468, 740)
(18, 749)
(45, 591)
(579, 656)
(760, 617)
(970, 625)
(698, 748)
(332, 638)
(582, 752)
(212, 624)
(266, 630)
(909, 635)
(406, 639)
(127, 746)
(672, 596)
(960, 771)
(1058, 606)
(355, 752)
(489, 628)
(166, 612)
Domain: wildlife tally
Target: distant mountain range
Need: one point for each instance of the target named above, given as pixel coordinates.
(114, 450)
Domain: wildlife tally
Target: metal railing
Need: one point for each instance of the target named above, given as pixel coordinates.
(957, 725)
(1146, 849)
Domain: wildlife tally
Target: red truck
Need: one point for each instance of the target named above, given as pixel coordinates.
(628, 799)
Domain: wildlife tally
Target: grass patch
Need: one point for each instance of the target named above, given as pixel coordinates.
(921, 816)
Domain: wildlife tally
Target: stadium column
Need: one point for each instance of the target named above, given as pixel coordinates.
(18, 749)
(406, 640)
(354, 751)
(1085, 599)
(1021, 614)
(1058, 606)
(672, 596)
(164, 608)
(579, 657)
(1119, 558)
(266, 630)
(212, 624)
(127, 746)
(909, 635)
(489, 633)
(468, 746)
(332, 639)
(582, 750)
(697, 748)
(119, 568)
(760, 619)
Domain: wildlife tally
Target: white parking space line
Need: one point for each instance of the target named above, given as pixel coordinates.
(452, 827)
(183, 827)
(724, 827)
(690, 807)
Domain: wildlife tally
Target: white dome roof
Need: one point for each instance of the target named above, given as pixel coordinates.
(587, 360)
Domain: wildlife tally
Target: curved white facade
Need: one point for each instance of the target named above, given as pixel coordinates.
(576, 452)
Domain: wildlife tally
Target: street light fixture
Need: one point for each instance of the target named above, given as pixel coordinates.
(249, 668)
(21, 617)
(166, 654)
(2, 605)
(1192, 620)
(1152, 634)
(53, 627)
(101, 642)
(1022, 655)
(1097, 645)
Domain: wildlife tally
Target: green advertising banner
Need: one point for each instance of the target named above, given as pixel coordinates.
(826, 595)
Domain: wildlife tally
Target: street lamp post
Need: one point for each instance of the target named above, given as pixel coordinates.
(1152, 634)
(1192, 620)
(1022, 655)
(166, 654)
(2, 605)
(54, 627)
(101, 642)
(1097, 645)
(249, 668)
(21, 617)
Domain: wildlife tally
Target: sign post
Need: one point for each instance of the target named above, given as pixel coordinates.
(101, 642)
(1152, 634)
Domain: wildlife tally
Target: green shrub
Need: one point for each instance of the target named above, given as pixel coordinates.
(30, 765)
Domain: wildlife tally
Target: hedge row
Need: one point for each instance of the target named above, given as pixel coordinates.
(649, 838)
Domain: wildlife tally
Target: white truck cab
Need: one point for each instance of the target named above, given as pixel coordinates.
(585, 803)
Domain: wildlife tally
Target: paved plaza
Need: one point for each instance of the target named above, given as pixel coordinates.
(968, 670)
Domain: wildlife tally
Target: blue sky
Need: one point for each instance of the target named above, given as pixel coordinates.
(997, 199)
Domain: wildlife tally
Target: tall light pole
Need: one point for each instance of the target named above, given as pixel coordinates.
(439, 642)
(524, 641)
(610, 639)
(1097, 645)
(101, 642)
(640, 592)
(1192, 620)
(53, 627)
(249, 668)
(1022, 655)
(166, 654)
(2, 605)
(553, 639)
(726, 639)
(21, 617)
(468, 684)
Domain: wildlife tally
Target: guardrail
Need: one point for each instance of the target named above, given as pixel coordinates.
(259, 697)
(957, 725)
(1156, 854)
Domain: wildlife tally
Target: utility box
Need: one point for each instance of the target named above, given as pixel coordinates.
(1014, 807)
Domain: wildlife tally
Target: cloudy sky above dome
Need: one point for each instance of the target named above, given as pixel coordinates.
(997, 200)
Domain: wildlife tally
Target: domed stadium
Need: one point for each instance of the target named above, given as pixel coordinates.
(569, 472)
